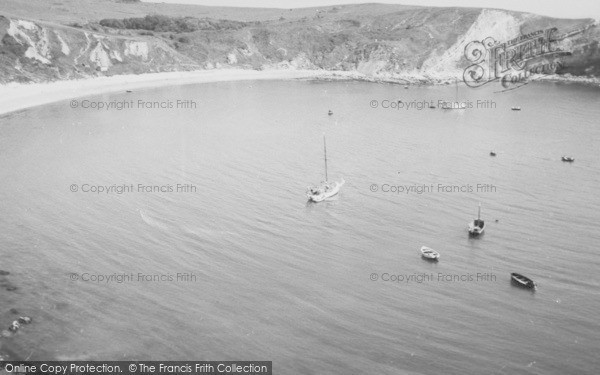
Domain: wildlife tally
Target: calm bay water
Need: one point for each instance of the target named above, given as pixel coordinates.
(279, 279)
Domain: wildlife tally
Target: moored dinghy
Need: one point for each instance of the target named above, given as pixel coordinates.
(568, 159)
(429, 253)
(522, 281)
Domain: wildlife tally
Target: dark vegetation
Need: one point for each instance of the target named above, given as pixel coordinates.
(160, 23)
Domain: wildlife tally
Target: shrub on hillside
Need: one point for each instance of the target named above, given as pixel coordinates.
(113, 23)
(13, 46)
(160, 23)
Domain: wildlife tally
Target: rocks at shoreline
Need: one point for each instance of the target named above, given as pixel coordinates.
(22, 320)
(16, 325)
(441, 80)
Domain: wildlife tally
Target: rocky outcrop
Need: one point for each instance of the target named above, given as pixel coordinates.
(37, 52)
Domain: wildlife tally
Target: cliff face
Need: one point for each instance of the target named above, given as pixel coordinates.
(37, 52)
(427, 43)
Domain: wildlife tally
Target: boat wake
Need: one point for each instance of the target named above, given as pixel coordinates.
(154, 223)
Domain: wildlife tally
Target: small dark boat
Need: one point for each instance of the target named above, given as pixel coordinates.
(477, 226)
(492, 153)
(129, 91)
(568, 159)
(432, 107)
(516, 108)
(330, 112)
(522, 281)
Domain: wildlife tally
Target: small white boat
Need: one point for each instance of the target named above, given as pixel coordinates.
(326, 189)
(568, 159)
(477, 226)
(429, 253)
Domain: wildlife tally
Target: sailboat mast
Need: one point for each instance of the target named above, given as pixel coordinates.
(456, 85)
(479, 212)
(325, 152)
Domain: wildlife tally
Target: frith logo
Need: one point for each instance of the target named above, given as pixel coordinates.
(515, 61)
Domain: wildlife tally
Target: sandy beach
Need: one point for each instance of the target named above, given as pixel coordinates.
(14, 97)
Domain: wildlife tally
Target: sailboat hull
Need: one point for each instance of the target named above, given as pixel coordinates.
(477, 226)
(475, 230)
(324, 192)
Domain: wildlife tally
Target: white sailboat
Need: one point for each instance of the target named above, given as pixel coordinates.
(325, 190)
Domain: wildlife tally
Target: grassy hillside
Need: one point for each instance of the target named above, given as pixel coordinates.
(80, 38)
(69, 11)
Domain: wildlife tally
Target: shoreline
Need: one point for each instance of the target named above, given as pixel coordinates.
(15, 96)
(20, 96)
